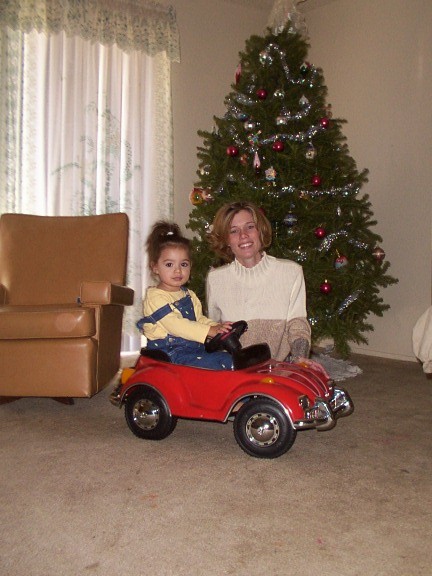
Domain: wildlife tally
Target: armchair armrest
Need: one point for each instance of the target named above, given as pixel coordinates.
(106, 293)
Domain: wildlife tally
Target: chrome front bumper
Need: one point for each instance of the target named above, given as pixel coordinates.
(324, 414)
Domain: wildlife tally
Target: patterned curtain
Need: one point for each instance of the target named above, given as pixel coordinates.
(85, 116)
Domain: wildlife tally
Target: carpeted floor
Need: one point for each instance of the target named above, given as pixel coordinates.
(79, 494)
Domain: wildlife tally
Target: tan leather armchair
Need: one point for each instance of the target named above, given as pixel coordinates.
(62, 297)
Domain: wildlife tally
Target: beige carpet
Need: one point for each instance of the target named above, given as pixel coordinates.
(80, 495)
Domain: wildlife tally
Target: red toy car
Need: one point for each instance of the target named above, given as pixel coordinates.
(268, 401)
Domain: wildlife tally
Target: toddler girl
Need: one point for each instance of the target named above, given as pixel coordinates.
(173, 320)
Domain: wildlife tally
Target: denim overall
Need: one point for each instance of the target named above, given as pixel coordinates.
(180, 350)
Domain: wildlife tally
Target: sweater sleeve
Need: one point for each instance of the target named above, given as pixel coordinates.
(297, 301)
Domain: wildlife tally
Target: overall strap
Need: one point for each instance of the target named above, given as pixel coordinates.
(162, 311)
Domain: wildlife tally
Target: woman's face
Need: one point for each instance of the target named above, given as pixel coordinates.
(244, 239)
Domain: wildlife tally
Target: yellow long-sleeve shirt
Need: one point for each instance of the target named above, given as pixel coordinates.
(173, 323)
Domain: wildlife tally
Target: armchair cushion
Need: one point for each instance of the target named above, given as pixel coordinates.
(27, 322)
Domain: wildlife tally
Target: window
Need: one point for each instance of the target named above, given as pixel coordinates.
(85, 108)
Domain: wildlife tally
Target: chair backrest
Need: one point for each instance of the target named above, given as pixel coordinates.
(44, 259)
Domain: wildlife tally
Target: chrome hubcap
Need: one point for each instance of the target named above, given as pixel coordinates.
(262, 429)
(145, 414)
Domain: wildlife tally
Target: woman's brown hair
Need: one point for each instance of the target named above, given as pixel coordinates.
(218, 237)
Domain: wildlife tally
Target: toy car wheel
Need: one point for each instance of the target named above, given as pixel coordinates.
(148, 416)
(262, 429)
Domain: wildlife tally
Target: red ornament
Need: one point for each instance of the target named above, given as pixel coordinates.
(232, 151)
(316, 180)
(278, 146)
(238, 73)
(320, 232)
(324, 122)
(326, 287)
(262, 93)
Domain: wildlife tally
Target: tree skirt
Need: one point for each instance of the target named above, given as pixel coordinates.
(337, 369)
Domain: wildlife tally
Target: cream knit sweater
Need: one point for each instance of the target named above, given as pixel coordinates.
(271, 297)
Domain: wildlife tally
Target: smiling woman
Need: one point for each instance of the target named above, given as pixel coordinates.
(269, 293)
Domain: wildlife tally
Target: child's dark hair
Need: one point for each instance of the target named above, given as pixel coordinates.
(164, 234)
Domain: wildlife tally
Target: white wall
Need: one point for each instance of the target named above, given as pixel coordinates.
(212, 33)
(376, 57)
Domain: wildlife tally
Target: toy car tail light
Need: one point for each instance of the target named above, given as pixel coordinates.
(304, 402)
(126, 374)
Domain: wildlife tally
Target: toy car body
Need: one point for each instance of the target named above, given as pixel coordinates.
(268, 402)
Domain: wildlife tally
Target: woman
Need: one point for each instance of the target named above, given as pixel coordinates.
(269, 293)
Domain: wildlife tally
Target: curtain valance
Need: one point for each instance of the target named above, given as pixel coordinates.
(144, 25)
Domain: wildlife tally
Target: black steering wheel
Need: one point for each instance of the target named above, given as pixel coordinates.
(230, 341)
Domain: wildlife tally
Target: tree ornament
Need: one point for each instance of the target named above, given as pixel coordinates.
(324, 122)
(195, 197)
(253, 139)
(266, 58)
(320, 232)
(238, 73)
(279, 93)
(378, 253)
(303, 101)
(326, 287)
(205, 170)
(232, 151)
(257, 163)
(207, 195)
(304, 68)
(242, 116)
(262, 93)
(316, 180)
(341, 261)
(310, 151)
(249, 125)
(278, 146)
(281, 120)
(290, 220)
(270, 174)
(244, 159)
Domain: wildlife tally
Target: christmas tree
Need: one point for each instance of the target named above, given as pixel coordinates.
(279, 146)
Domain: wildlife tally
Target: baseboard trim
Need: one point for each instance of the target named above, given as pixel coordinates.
(380, 354)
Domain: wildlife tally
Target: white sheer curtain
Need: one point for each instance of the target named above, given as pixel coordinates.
(86, 124)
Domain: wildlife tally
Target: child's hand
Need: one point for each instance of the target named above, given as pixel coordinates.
(219, 329)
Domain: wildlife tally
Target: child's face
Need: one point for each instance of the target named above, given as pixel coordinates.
(172, 268)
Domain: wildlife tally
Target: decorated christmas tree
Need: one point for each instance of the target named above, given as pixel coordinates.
(279, 146)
